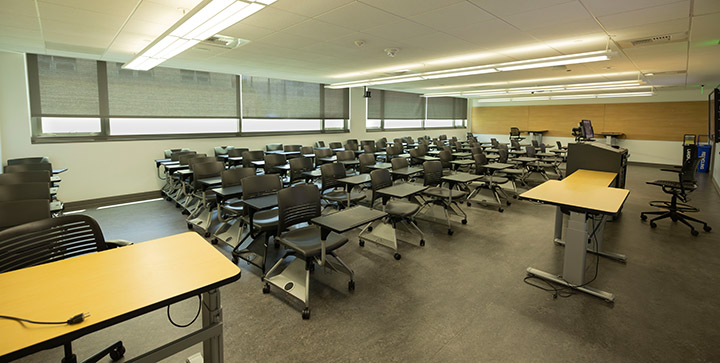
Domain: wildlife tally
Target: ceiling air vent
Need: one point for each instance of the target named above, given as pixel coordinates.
(224, 41)
(654, 40)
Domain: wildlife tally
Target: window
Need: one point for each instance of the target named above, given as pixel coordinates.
(275, 105)
(85, 100)
(401, 110)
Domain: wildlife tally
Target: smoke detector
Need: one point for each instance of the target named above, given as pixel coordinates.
(359, 43)
(391, 52)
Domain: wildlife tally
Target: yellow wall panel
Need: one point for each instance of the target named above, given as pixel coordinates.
(499, 120)
(560, 119)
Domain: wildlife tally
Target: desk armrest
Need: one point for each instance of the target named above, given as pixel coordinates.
(115, 243)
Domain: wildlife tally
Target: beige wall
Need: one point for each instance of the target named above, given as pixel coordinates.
(104, 169)
(667, 121)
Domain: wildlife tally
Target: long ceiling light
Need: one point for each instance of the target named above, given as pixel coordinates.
(578, 87)
(568, 97)
(205, 20)
(489, 68)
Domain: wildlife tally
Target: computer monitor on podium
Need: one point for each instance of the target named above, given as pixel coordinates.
(587, 129)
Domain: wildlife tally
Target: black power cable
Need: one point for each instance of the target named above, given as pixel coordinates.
(192, 321)
(77, 319)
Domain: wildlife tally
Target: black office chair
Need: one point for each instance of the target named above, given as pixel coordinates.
(438, 195)
(366, 160)
(201, 216)
(333, 191)
(487, 182)
(250, 156)
(515, 134)
(230, 211)
(54, 239)
(222, 150)
(298, 166)
(16, 212)
(397, 210)
(274, 147)
(29, 160)
(25, 191)
(28, 167)
(236, 152)
(680, 190)
(273, 160)
(296, 206)
(264, 222)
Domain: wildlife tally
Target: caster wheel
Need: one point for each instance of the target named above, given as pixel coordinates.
(707, 228)
(422, 242)
(514, 196)
(312, 267)
(501, 210)
(694, 232)
(266, 289)
(397, 256)
(177, 205)
(450, 232)
(643, 217)
(469, 204)
(508, 203)
(674, 219)
(306, 314)
(214, 241)
(206, 234)
(351, 285)
(653, 225)
(185, 213)
(464, 221)
(369, 229)
(189, 225)
(168, 199)
(235, 259)
(362, 243)
(117, 353)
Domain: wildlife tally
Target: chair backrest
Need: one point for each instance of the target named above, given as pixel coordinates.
(184, 158)
(199, 159)
(352, 141)
(15, 212)
(345, 155)
(446, 148)
(175, 155)
(250, 156)
(28, 167)
(382, 143)
(49, 240)
(352, 146)
(365, 161)
(399, 163)
(445, 159)
(515, 144)
(10, 192)
(442, 137)
(323, 153)
(234, 176)
(336, 145)
(238, 151)
(298, 166)
(559, 145)
(392, 151)
(367, 142)
(273, 160)
(458, 146)
(369, 148)
(476, 149)
(258, 185)
(222, 150)
(320, 143)
(397, 141)
(415, 153)
(453, 139)
(379, 178)
(292, 147)
(432, 173)
(689, 169)
(330, 173)
(273, 147)
(535, 143)
(206, 170)
(543, 148)
(168, 152)
(297, 204)
(29, 160)
(503, 155)
(480, 161)
(41, 176)
(307, 150)
(514, 131)
(530, 151)
(494, 142)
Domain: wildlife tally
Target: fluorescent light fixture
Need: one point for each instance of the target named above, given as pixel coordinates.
(583, 87)
(568, 97)
(495, 100)
(571, 97)
(490, 68)
(205, 20)
(540, 98)
(625, 94)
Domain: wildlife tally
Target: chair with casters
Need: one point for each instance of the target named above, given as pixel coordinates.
(222, 150)
(399, 211)
(489, 181)
(347, 159)
(680, 190)
(230, 211)
(274, 147)
(513, 174)
(445, 160)
(264, 222)
(234, 153)
(335, 146)
(29, 160)
(366, 160)
(201, 216)
(54, 239)
(30, 190)
(250, 156)
(332, 191)
(438, 195)
(515, 134)
(272, 162)
(187, 200)
(299, 166)
(322, 153)
(16, 212)
(296, 207)
(15, 168)
(320, 144)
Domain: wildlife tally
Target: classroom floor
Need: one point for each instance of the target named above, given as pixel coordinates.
(462, 298)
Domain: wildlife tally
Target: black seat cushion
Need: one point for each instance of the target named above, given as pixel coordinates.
(266, 220)
(673, 184)
(399, 208)
(306, 241)
(341, 195)
(445, 193)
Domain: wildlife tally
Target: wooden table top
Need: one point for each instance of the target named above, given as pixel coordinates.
(119, 283)
(588, 190)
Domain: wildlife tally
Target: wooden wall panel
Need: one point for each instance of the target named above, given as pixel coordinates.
(560, 119)
(499, 120)
(640, 121)
(657, 121)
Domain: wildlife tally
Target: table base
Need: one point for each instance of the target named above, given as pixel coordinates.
(608, 297)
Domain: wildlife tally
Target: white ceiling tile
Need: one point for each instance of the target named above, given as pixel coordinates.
(551, 16)
(111, 7)
(407, 8)
(504, 8)
(705, 28)
(309, 8)
(158, 13)
(19, 21)
(247, 31)
(358, 16)
(656, 14)
(452, 16)
(145, 28)
(319, 30)
(699, 70)
(185, 4)
(23, 45)
(19, 7)
(275, 19)
(491, 34)
(607, 7)
(82, 20)
(288, 40)
(400, 31)
(659, 58)
(648, 30)
(706, 7)
(579, 29)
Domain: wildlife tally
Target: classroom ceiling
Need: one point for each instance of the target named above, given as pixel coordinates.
(315, 40)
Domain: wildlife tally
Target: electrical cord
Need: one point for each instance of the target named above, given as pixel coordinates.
(192, 321)
(77, 319)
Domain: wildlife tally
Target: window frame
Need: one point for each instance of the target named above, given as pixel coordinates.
(423, 123)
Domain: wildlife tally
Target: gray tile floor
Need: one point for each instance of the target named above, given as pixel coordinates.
(462, 298)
